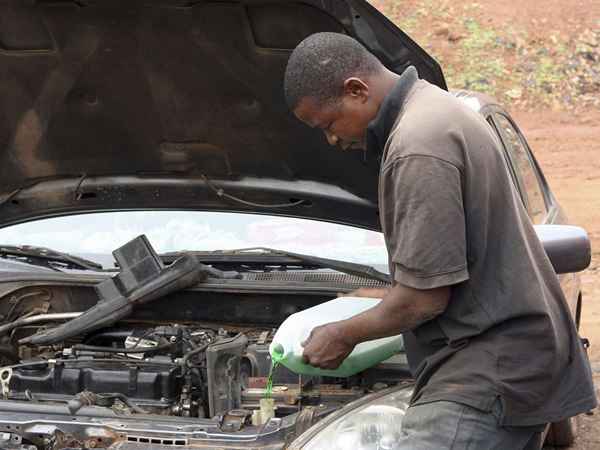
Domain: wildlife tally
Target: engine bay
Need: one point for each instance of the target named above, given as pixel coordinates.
(175, 370)
(198, 353)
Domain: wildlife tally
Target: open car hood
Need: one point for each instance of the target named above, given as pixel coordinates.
(111, 105)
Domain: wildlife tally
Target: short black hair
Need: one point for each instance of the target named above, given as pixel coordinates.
(321, 63)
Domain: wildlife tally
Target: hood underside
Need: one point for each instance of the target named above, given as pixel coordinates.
(110, 105)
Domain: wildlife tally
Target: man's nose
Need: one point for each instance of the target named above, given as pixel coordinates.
(331, 138)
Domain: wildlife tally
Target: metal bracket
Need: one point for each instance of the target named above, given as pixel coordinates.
(5, 376)
(234, 420)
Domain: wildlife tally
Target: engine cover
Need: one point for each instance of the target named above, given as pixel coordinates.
(139, 380)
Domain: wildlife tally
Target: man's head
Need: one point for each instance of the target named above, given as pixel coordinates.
(334, 83)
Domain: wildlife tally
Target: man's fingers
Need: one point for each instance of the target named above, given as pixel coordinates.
(324, 348)
(328, 365)
(307, 351)
(316, 361)
(309, 338)
(306, 341)
(310, 360)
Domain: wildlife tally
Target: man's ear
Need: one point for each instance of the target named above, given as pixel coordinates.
(356, 89)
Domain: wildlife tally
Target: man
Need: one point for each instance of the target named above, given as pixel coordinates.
(487, 330)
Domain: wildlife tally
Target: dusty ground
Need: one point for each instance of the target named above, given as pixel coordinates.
(540, 58)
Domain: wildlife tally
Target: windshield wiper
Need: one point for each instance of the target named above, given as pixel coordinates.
(45, 256)
(264, 256)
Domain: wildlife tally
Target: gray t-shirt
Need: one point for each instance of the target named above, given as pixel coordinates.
(451, 216)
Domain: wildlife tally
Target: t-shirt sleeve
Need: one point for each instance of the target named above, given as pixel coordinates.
(424, 222)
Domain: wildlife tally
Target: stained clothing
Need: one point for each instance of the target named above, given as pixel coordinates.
(455, 426)
(452, 217)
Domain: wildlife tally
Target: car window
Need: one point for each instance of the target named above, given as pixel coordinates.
(536, 204)
(94, 236)
(509, 166)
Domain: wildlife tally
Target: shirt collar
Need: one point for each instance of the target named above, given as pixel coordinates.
(381, 126)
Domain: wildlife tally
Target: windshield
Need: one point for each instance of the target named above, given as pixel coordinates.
(95, 236)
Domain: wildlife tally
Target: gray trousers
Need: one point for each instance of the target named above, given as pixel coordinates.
(453, 426)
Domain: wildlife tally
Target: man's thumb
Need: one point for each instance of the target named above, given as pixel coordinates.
(306, 341)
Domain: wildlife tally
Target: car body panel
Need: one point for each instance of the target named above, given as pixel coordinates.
(116, 105)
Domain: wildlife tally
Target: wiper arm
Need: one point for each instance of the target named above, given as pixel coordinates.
(46, 256)
(349, 268)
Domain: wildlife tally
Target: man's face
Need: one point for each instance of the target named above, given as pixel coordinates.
(344, 121)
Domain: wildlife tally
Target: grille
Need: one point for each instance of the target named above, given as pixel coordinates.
(311, 277)
(157, 441)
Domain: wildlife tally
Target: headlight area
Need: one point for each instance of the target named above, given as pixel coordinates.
(371, 423)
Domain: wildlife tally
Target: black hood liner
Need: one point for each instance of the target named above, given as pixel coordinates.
(171, 89)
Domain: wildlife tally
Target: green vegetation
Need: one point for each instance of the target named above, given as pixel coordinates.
(518, 69)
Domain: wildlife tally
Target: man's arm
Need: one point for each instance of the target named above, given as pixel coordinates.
(402, 309)
(366, 292)
(423, 217)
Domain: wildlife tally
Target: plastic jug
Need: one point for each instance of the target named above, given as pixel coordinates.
(287, 349)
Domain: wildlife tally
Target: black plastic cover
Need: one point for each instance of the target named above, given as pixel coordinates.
(140, 381)
(223, 374)
(142, 279)
(139, 264)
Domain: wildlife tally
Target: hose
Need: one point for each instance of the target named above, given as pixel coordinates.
(188, 355)
(125, 400)
(93, 348)
(87, 398)
(35, 319)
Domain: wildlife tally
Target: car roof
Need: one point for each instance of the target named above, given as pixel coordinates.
(477, 101)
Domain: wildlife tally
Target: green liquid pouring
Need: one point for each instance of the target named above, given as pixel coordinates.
(276, 358)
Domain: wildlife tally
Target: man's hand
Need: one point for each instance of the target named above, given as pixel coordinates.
(327, 347)
(402, 309)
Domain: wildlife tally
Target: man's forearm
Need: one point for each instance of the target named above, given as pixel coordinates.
(367, 292)
(402, 309)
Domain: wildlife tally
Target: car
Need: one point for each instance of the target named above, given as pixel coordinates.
(157, 131)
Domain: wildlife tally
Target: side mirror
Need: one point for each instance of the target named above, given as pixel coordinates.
(568, 247)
